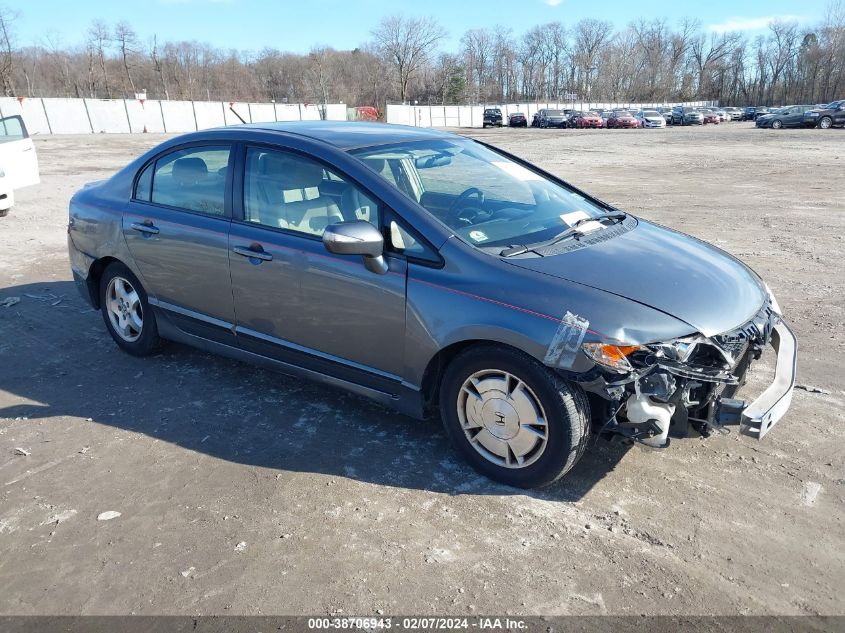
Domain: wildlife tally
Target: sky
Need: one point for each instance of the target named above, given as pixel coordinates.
(298, 25)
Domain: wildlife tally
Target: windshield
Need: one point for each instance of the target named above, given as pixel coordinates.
(651, 113)
(621, 113)
(484, 197)
(550, 113)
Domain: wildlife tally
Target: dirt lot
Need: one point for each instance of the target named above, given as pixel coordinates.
(243, 491)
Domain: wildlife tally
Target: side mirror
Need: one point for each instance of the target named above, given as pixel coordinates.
(357, 237)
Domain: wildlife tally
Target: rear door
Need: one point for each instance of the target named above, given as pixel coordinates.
(177, 230)
(18, 161)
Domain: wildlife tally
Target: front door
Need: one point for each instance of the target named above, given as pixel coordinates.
(18, 162)
(177, 230)
(294, 300)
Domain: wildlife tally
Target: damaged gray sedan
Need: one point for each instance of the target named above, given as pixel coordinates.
(437, 275)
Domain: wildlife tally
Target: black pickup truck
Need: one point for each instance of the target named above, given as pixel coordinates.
(492, 116)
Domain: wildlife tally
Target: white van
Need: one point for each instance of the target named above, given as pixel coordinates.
(18, 162)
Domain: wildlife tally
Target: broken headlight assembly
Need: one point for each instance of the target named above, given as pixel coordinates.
(693, 356)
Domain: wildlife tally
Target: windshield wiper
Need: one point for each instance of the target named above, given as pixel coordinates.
(572, 230)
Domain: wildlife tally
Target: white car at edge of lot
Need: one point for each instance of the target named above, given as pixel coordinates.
(18, 161)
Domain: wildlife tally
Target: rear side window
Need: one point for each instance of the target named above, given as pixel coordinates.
(193, 179)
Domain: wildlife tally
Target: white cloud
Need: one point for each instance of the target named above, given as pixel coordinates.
(552, 3)
(752, 24)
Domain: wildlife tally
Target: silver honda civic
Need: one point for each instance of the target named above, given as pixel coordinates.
(437, 275)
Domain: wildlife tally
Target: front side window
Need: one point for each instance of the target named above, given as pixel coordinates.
(12, 129)
(483, 196)
(192, 179)
(289, 191)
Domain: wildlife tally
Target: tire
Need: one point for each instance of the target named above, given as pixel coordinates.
(544, 455)
(826, 123)
(140, 335)
(4, 213)
(777, 124)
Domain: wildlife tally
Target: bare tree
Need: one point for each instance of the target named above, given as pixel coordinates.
(127, 41)
(590, 37)
(408, 43)
(7, 18)
(99, 38)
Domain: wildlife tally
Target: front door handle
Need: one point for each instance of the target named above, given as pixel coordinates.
(252, 252)
(145, 227)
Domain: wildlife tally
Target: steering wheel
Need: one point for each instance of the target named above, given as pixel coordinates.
(459, 205)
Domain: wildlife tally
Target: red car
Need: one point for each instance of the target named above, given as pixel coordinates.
(710, 117)
(622, 119)
(588, 119)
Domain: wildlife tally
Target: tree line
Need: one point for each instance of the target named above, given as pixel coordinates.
(403, 60)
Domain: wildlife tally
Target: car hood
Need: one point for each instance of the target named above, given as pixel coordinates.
(677, 274)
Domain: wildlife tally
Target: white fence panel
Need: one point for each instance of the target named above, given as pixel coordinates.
(9, 106)
(287, 112)
(66, 116)
(336, 112)
(310, 112)
(261, 113)
(107, 115)
(240, 108)
(178, 116)
(209, 114)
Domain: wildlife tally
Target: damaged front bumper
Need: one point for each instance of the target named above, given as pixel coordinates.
(687, 387)
(764, 412)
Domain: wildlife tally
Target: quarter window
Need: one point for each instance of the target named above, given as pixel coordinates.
(289, 191)
(193, 179)
(143, 188)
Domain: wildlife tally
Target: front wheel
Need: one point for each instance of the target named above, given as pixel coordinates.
(777, 124)
(825, 123)
(127, 312)
(513, 419)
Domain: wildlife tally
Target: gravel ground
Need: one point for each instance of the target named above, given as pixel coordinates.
(241, 491)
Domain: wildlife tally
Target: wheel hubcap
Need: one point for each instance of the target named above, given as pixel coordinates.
(124, 309)
(502, 418)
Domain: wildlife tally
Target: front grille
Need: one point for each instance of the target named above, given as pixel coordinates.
(758, 330)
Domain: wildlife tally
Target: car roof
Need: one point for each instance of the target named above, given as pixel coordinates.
(349, 134)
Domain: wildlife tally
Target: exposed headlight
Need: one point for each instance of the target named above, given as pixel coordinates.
(613, 357)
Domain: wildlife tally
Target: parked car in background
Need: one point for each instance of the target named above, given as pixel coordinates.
(492, 117)
(734, 114)
(684, 115)
(723, 116)
(622, 119)
(588, 120)
(18, 161)
(605, 115)
(708, 116)
(650, 118)
(517, 119)
(749, 113)
(571, 118)
(833, 114)
(666, 113)
(551, 118)
(466, 284)
(789, 116)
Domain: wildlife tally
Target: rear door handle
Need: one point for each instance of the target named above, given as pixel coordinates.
(253, 253)
(144, 227)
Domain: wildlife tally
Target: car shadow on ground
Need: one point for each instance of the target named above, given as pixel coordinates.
(57, 359)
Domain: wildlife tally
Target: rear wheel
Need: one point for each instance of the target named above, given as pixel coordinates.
(513, 419)
(825, 122)
(126, 312)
